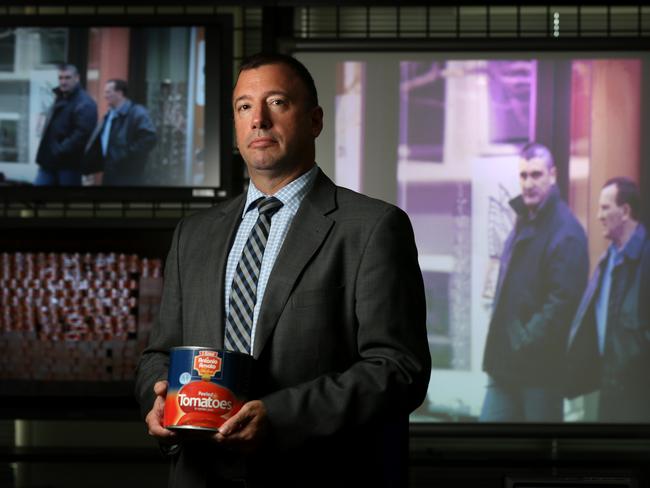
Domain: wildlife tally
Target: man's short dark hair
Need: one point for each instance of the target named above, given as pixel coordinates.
(68, 67)
(626, 192)
(119, 85)
(263, 59)
(534, 150)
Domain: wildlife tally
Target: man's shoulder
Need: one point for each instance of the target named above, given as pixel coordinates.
(349, 205)
(351, 200)
(138, 109)
(360, 208)
(83, 98)
(565, 220)
(563, 211)
(338, 202)
(202, 217)
(206, 224)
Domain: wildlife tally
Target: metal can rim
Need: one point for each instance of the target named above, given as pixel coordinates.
(207, 348)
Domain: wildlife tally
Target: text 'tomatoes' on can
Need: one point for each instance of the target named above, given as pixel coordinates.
(206, 387)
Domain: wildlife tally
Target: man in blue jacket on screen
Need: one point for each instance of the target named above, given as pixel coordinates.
(118, 148)
(338, 327)
(609, 343)
(543, 271)
(68, 125)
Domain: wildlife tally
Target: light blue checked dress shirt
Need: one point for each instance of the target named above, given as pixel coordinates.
(291, 196)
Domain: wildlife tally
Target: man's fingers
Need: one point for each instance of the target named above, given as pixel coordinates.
(235, 423)
(155, 425)
(246, 430)
(155, 417)
(160, 388)
(157, 430)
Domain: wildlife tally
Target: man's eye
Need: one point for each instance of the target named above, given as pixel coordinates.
(243, 107)
(277, 101)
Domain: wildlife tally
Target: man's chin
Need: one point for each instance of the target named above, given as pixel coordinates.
(265, 167)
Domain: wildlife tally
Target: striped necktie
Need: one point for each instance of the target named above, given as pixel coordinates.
(243, 294)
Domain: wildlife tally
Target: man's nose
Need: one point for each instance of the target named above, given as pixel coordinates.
(261, 119)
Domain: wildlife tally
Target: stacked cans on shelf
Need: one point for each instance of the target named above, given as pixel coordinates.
(75, 316)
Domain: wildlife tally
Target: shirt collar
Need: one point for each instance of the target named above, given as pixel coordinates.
(290, 195)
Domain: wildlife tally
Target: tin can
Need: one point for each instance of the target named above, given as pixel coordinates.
(206, 387)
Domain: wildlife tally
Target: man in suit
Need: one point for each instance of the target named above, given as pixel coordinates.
(543, 270)
(338, 334)
(609, 342)
(121, 142)
(67, 128)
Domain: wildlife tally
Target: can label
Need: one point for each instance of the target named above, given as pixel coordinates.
(206, 387)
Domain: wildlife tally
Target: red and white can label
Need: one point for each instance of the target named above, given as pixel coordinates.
(206, 387)
(207, 364)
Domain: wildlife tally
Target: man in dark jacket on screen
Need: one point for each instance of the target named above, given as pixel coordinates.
(120, 144)
(542, 274)
(609, 343)
(65, 133)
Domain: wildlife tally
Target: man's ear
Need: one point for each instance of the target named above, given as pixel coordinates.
(627, 211)
(316, 121)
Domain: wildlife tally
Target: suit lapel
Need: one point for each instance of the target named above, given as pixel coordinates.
(308, 230)
(220, 235)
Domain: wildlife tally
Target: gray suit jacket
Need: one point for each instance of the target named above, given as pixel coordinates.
(341, 348)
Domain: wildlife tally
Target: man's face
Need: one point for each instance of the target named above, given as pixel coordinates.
(112, 96)
(274, 125)
(536, 180)
(67, 80)
(611, 215)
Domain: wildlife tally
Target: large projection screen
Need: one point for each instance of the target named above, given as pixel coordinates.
(438, 134)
